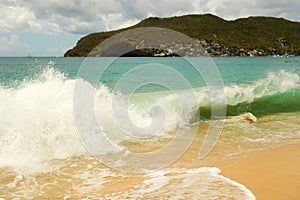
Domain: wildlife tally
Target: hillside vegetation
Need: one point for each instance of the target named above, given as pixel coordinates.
(242, 37)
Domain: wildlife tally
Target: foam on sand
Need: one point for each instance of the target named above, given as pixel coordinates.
(200, 183)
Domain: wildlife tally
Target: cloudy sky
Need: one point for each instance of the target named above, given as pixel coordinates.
(49, 28)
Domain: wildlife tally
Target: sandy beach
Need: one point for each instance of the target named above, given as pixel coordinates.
(269, 174)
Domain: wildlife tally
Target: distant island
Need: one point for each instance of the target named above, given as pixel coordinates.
(252, 36)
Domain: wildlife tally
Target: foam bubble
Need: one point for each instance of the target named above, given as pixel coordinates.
(201, 183)
(279, 82)
(37, 122)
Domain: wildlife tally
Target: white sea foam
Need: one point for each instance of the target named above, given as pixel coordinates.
(37, 121)
(201, 183)
(198, 183)
(279, 82)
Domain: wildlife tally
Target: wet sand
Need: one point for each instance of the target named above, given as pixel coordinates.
(269, 174)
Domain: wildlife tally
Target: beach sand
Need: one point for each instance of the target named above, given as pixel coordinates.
(269, 174)
(269, 171)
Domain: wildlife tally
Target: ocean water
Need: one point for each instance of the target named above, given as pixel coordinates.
(154, 116)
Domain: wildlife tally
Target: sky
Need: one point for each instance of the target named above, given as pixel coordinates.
(49, 28)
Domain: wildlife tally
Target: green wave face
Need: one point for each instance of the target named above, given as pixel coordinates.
(277, 93)
(277, 103)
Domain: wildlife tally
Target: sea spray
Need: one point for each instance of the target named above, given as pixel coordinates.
(37, 123)
(279, 92)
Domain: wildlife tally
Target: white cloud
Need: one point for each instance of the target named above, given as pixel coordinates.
(233, 9)
(12, 45)
(116, 21)
(81, 17)
(17, 18)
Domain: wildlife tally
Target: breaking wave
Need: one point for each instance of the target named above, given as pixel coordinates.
(37, 121)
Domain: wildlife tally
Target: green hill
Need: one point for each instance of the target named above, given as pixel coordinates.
(245, 36)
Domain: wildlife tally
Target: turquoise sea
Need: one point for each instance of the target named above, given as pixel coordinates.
(139, 105)
(254, 85)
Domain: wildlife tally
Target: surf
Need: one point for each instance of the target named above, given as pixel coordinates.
(278, 93)
(37, 121)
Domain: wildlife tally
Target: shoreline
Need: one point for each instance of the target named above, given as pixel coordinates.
(269, 174)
